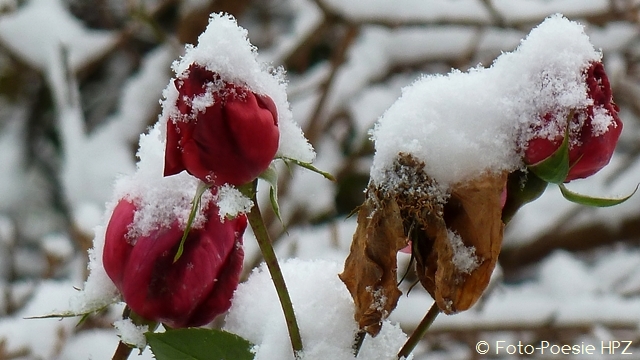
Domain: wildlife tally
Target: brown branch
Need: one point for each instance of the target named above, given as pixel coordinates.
(315, 127)
(122, 351)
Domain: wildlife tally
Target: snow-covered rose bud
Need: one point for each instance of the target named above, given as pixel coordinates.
(593, 131)
(221, 133)
(190, 292)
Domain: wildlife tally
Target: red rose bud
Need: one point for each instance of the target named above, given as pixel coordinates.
(189, 292)
(590, 145)
(224, 133)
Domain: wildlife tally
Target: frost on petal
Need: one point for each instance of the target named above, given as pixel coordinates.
(601, 121)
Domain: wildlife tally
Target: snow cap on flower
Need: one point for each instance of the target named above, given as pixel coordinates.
(223, 133)
(592, 131)
(464, 124)
(224, 49)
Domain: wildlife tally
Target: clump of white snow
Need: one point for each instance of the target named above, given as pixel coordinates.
(231, 202)
(379, 300)
(224, 49)
(324, 310)
(464, 257)
(131, 333)
(465, 124)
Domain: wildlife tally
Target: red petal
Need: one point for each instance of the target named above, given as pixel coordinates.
(117, 249)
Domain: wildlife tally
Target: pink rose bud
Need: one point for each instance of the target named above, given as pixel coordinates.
(224, 133)
(190, 292)
(594, 131)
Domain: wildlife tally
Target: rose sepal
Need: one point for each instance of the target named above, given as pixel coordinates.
(271, 177)
(195, 206)
(308, 166)
(555, 168)
(592, 200)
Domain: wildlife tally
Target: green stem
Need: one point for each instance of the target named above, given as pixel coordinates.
(264, 241)
(420, 331)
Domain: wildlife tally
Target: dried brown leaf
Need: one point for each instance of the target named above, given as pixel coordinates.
(457, 269)
(456, 236)
(370, 271)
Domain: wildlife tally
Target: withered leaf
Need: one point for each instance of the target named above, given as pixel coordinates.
(370, 271)
(466, 244)
(456, 236)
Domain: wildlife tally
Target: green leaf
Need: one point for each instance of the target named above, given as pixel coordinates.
(67, 314)
(58, 316)
(555, 168)
(271, 177)
(199, 344)
(310, 167)
(195, 205)
(593, 201)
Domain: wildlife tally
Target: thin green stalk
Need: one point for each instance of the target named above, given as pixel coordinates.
(269, 255)
(420, 331)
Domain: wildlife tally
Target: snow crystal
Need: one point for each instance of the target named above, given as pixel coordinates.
(463, 124)
(232, 202)
(223, 48)
(131, 333)
(324, 310)
(379, 299)
(601, 121)
(200, 103)
(464, 257)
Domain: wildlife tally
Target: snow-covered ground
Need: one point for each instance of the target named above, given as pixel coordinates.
(567, 275)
